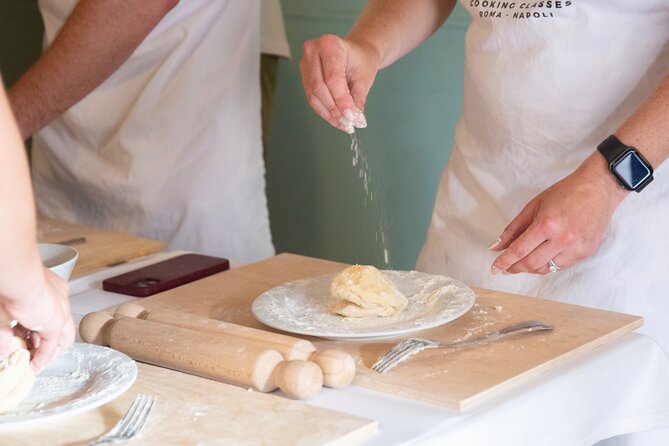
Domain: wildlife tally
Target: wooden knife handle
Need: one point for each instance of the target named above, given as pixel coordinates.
(204, 354)
(338, 366)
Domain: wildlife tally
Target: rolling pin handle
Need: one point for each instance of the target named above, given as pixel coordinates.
(298, 379)
(130, 310)
(94, 328)
(338, 367)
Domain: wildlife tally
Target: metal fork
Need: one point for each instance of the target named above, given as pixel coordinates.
(410, 347)
(131, 423)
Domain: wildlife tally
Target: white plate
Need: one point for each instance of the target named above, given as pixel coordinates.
(304, 307)
(82, 378)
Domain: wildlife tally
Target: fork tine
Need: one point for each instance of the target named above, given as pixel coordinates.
(405, 353)
(128, 414)
(391, 353)
(141, 420)
(126, 422)
(400, 350)
(131, 423)
(395, 354)
(137, 420)
(145, 416)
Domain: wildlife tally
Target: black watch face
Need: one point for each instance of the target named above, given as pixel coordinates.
(631, 170)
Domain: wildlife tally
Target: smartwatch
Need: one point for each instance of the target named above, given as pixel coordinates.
(629, 167)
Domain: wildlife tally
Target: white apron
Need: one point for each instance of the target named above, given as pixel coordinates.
(543, 86)
(169, 146)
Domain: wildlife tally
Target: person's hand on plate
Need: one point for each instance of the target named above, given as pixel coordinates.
(43, 319)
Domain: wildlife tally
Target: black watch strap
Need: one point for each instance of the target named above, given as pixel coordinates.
(612, 148)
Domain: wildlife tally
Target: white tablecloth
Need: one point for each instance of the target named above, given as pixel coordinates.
(618, 389)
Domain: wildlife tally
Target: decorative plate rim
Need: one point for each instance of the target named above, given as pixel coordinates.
(126, 370)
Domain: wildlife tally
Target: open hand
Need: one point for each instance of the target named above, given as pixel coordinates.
(564, 223)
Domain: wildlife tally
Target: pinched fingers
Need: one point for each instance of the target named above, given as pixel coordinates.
(337, 75)
(360, 86)
(313, 100)
(319, 98)
(323, 69)
(334, 74)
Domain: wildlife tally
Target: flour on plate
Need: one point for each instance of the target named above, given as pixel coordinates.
(304, 307)
(84, 376)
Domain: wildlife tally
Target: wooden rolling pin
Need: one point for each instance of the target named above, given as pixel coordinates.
(203, 354)
(338, 366)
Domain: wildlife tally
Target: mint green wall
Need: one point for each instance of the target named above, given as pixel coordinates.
(317, 201)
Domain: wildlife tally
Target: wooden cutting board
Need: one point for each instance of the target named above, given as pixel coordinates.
(457, 380)
(190, 410)
(98, 248)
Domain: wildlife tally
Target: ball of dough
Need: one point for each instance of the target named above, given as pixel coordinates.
(363, 290)
(16, 376)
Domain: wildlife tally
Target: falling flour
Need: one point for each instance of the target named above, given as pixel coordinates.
(360, 161)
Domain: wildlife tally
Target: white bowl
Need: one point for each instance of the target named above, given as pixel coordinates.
(58, 258)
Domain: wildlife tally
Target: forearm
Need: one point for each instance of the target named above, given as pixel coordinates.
(647, 129)
(20, 266)
(395, 27)
(96, 39)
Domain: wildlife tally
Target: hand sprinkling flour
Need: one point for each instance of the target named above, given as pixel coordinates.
(353, 120)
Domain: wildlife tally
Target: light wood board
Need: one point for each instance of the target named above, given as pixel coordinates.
(195, 411)
(457, 380)
(100, 248)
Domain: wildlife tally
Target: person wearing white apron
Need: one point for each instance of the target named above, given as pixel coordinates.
(540, 94)
(526, 189)
(169, 145)
(545, 83)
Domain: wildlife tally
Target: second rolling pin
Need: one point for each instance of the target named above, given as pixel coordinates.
(201, 354)
(338, 366)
